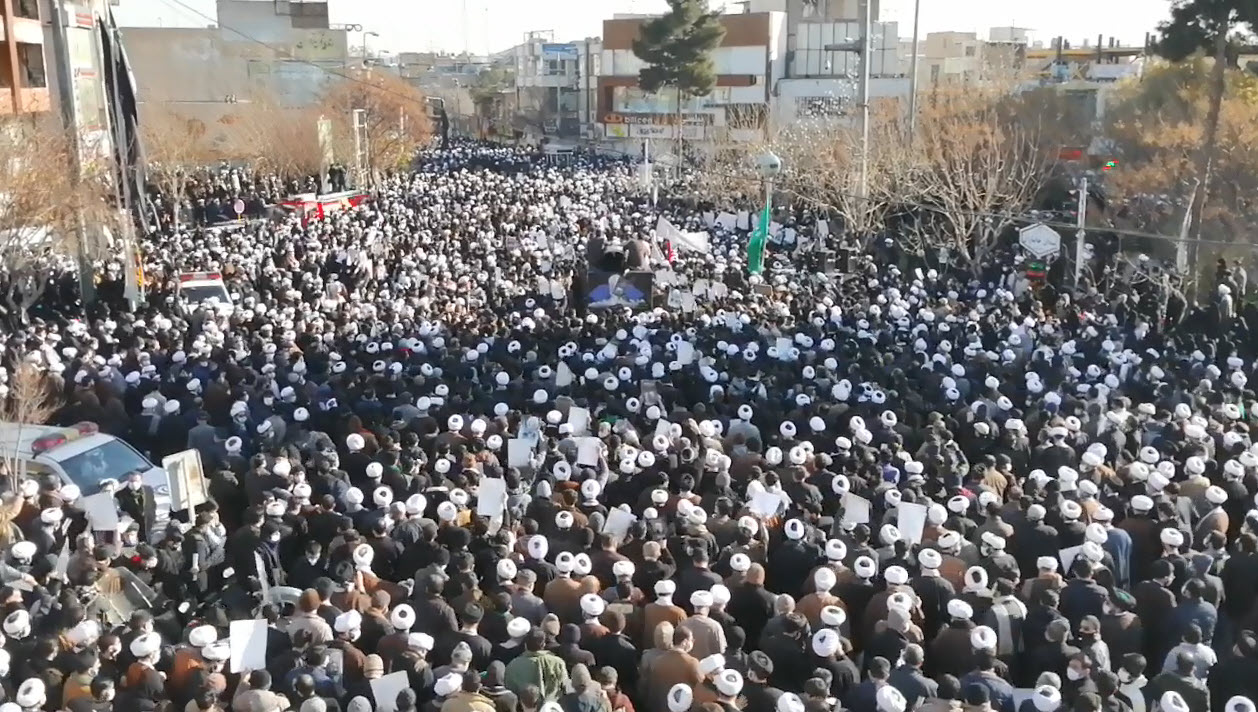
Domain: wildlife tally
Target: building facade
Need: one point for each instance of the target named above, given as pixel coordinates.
(749, 63)
(823, 80)
(290, 56)
(557, 85)
(23, 76)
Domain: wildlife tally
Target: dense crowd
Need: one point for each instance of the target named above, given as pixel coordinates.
(889, 488)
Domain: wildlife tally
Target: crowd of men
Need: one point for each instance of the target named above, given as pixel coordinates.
(885, 489)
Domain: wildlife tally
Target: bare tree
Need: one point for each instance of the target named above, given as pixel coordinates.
(174, 145)
(978, 168)
(395, 113)
(282, 140)
(31, 399)
(45, 202)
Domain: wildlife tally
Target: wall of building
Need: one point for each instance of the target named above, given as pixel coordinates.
(212, 64)
(23, 74)
(812, 59)
(831, 98)
(797, 10)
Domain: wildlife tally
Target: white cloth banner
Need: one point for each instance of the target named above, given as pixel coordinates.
(692, 241)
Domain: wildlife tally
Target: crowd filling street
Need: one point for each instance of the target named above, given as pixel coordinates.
(440, 475)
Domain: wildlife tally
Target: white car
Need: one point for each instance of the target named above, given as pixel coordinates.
(197, 288)
(83, 456)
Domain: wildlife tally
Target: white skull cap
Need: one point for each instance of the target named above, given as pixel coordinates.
(1172, 537)
(890, 699)
(824, 579)
(680, 697)
(983, 638)
(864, 567)
(729, 683)
(795, 529)
(833, 616)
(836, 550)
(790, 702)
(959, 609)
(1172, 701)
(1046, 698)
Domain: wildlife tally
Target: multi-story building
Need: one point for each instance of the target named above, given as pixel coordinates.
(823, 75)
(23, 77)
(203, 72)
(556, 84)
(749, 63)
(1085, 74)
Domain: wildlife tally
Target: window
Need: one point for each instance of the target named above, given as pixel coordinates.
(820, 106)
(555, 68)
(31, 61)
(969, 51)
(934, 73)
(114, 459)
(26, 8)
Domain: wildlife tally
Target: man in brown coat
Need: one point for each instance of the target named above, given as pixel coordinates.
(1216, 520)
(671, 668)
(661, 610)
(707, 634)
(1046, 579)
(953, 567)
(563, 595)
(951, 651)
(823, 579)
(661, 643)
(876, 610)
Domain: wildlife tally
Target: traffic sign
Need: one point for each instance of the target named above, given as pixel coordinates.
(1040, 240)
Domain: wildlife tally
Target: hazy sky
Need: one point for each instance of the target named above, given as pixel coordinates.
(453, 25)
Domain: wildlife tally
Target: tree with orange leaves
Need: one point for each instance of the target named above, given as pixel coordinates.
(395, 116)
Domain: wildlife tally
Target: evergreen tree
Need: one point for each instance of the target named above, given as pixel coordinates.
(677, 48)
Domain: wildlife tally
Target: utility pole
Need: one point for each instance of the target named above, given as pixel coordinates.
(360, 147)
(917, 14)
(862, 48)
(55, 11)
(1080, 233)
(866, 37)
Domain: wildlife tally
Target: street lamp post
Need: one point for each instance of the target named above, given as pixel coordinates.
(769, 166)
(365, 36)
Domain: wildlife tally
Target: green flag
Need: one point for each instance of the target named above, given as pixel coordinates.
(755, 246)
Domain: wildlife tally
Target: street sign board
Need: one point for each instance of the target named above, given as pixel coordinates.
(1039, 240)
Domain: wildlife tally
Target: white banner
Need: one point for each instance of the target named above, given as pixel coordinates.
(692, 241)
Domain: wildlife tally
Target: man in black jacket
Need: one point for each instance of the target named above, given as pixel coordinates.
(1236, 674)
(909, 680)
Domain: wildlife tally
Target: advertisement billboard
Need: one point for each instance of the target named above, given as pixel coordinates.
(560, 51)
